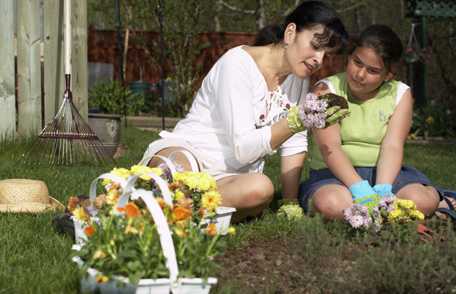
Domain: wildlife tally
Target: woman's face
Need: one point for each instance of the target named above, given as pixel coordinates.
(365, 73)
(303, 53)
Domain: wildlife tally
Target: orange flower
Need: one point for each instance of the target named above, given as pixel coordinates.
(181, 213)
(89, 231)
(161, 202)
(131, 210)
(211, 229)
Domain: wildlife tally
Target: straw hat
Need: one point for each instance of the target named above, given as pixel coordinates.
(22, 195)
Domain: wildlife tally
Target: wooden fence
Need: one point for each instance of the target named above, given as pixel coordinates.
(31, 70)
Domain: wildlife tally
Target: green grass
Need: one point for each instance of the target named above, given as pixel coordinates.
(35, 259)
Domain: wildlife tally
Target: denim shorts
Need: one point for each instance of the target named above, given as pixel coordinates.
(321, 177)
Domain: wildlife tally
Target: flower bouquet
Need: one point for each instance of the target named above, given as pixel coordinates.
(389, 210)
(150, 233)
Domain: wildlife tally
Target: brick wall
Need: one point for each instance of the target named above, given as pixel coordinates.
(102, 48)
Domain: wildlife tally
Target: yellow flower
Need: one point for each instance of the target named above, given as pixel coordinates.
(121, 172)
(80, 214)
(416, 214)
(106, 182)
(180, 232)
(405, 204)
(99, 254)
(112, 197)
(100, 279)
(231, 230)
(196, 181)
(396, 214)
(178, 195)
(430, 120)
(142, 171)
(211, 200)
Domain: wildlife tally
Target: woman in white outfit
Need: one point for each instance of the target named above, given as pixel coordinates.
(240, 113)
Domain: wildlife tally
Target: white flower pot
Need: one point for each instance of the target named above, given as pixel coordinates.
(79, 235)
(193, 286)
(222, 219)
(121, 285)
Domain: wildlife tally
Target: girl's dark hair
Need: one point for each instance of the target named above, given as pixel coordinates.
(384, 41)
(306, 15)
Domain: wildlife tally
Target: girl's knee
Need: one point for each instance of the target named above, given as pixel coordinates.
(330, 201)
(426, 198)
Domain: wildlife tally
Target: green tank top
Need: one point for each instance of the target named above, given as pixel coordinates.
(363, 130)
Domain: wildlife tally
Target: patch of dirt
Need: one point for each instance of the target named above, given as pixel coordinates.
(265, 267)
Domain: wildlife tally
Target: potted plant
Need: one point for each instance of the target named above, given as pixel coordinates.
(108, 101)
(124, 245)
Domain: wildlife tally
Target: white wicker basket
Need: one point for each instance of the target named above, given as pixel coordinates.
(173, 284)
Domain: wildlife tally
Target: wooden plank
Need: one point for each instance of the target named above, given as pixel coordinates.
(29, 67)
(79, 73)
(53, 57)
(7, 86)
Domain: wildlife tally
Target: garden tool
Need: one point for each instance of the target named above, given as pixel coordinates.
(68, 137)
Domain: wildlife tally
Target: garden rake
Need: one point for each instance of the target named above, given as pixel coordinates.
(68, 139)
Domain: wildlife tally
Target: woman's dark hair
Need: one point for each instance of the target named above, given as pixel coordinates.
(384, 41)
(306, 15)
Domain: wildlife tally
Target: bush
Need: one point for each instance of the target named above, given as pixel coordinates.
(112, 97)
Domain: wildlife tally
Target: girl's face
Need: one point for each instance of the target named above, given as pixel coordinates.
(303, 53)
(365, 73)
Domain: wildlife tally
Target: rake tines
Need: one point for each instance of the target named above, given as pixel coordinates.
(68, 139)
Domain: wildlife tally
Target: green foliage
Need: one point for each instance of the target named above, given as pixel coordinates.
(112, 97)
(317, 256)
(433, 120)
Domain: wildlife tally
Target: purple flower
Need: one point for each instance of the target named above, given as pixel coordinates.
(386, 204)
(358, 216)
(313, 112)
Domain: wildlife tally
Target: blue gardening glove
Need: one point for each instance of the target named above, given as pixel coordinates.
(384, 190)
(364, 194)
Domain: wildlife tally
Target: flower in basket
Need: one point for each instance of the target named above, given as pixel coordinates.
(124, 244)
(124, 240)
(389, 210)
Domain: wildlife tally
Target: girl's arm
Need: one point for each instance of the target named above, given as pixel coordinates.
(329, 143)
(391, 152)
(290, 175)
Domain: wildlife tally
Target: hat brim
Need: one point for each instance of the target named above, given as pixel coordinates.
(33, 207)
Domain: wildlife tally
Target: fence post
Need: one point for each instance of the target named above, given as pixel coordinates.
(53, 58)
(79, 57)
(7, 81)
(29, 67)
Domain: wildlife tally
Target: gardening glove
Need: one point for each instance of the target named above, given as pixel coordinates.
(364, 194)
(335, 114)
(384, 190)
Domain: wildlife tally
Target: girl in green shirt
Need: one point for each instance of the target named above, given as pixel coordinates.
(360, 159)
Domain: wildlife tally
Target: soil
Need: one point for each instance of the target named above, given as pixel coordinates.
(265, 267)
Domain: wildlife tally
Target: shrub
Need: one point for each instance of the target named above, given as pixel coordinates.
(112, 97)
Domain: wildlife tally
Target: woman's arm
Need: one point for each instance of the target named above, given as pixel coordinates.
(290, 175)
(391, 152)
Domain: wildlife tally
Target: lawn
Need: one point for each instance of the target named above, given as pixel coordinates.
(268, 255)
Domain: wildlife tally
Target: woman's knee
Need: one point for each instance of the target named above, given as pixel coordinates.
(331, 200)
(426, 198)
(261, 189)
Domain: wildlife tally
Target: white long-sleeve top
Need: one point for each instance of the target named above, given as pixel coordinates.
(229, 122)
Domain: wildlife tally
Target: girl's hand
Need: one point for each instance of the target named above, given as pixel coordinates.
(364, 194)
(384, 190)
